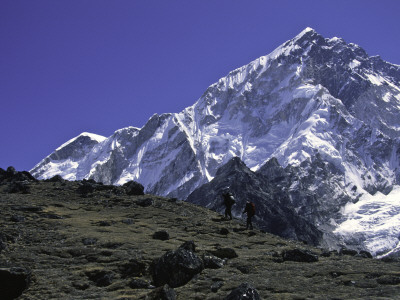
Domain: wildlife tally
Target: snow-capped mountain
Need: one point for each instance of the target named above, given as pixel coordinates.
(310, 96)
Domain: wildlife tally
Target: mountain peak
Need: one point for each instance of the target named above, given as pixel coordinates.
(306, 32)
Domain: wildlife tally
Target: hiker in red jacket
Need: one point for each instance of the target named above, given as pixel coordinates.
(250, 209)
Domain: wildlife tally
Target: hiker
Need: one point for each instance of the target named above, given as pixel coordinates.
(250, 209)
(228, 202)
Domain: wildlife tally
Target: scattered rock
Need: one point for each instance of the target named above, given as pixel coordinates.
(224, 231)
(138, 284)
(212, 262)
(100, 277)
(327, 253)
(133, 188)
(52, 216)
(216, 286)
(162, 293)
(350, 252)
(133, 268)
(244, 292)
(13, 281)
(33, 209)
(89, 241)
(80, 285)
(364, 254)
(244, 269)
(144, 202)
(18, 187)
(17, 218)
(104, 223)
(3, 242)
(11, 175)
(299, 255)
(85, 188)
(224, 253)
(176, 268)
(111, 245)
(56, 178)
(162, 235)
(128, 221)
(389, 280)
(188, 245)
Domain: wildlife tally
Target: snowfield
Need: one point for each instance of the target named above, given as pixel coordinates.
(374, 220)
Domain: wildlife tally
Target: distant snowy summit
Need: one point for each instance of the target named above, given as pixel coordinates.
(311, 95)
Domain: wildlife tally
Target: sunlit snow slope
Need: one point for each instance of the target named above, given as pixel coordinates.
(374, 221)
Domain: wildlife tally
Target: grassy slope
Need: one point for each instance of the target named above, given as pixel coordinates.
(50, 243)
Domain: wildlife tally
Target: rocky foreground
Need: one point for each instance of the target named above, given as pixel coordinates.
(83, 240)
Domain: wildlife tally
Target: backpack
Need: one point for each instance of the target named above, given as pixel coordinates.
(252, 209)
(228, 199)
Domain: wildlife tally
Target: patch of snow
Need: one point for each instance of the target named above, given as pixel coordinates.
(375, 219)
(375, 79)
(354, 64)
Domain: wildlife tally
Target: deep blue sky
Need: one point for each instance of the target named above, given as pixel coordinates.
(71, 66)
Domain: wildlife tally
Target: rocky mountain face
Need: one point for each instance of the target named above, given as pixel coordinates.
(325, 110)
(84, 240)
(274, 211)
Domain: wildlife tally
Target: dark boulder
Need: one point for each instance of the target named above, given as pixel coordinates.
(176, 268)
(79, 285)
(364, 254)
(133, 268)
(11, 171)
(299, 255)
(224, 253)
(18, 187)
(13, 281)
(212, 262)
(162, 235)
(101, 277)
(28, 208)
(188, 245)
(56, 178)
(224, 231)
(162, 293)
(244, 292)
(138, 284)
(244, 269)
(144, 202)
(3, 242)
(389, 280)
(89, 241)
(85, 188)
(128, 221)
(216, 286)
(133, 188)
(17, 218)
(350, 252)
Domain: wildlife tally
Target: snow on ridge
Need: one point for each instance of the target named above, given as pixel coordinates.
(239, 75)
(93, 136)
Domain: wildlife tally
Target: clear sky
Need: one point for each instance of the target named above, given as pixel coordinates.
(70, 66)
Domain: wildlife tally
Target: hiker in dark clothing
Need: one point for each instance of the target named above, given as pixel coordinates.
(228, 202)
(251, 211)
